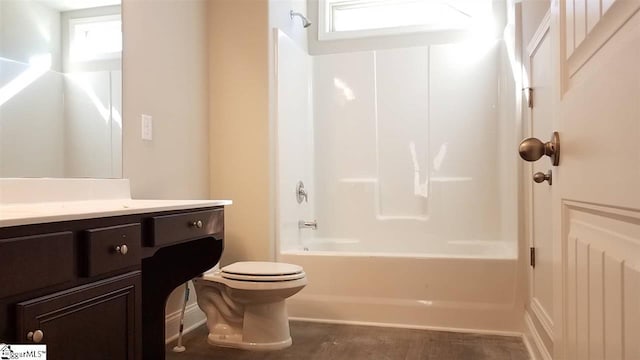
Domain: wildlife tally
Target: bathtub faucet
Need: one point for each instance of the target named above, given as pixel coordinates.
(308, 224)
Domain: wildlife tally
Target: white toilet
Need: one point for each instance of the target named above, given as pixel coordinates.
(245, 303)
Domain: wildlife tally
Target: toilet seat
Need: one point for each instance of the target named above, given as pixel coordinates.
(260, 271)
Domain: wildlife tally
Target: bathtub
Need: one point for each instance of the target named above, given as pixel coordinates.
(445, 291)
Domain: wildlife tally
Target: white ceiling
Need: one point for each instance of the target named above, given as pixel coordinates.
(67, 5)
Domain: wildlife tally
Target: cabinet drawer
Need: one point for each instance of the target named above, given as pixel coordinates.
(34, 262)
(179, 227)
(110, 248)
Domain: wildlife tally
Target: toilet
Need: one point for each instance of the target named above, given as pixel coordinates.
(245, 303)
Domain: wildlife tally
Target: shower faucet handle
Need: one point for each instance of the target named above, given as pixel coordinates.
(301, 193)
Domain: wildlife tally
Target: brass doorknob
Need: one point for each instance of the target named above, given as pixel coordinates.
(540, 177)
(532, 149)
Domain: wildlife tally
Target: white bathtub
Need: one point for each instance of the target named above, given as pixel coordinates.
(475, 291)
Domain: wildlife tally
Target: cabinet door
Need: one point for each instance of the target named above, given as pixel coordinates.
(95, 321)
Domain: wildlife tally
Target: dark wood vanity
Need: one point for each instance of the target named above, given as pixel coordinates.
(96, 288)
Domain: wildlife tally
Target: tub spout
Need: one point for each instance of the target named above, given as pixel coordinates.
(308, 224)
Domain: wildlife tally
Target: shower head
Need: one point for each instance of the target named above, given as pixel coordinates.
(305, 22)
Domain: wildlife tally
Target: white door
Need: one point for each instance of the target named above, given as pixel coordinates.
(540, 105)
(596, 189)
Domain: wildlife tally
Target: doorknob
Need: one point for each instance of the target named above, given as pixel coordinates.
(540, 177)
(532, 149)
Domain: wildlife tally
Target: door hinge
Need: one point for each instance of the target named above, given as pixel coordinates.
(532, 257)
(528, 94)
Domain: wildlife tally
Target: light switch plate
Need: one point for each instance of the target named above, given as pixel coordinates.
(147, 127)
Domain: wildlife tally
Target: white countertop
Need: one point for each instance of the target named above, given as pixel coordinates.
(43, 200)
(46, 212)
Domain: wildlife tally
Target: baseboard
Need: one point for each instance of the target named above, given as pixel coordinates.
(533, 341)
(193, 318)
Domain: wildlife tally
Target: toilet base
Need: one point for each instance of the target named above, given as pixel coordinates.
(235, 341)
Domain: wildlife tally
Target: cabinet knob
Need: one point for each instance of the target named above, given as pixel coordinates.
(35, 336)
(122, 249)
(197, 224)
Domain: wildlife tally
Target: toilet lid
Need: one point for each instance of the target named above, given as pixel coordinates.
(262, 271)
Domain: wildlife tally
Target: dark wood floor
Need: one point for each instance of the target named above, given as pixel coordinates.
(346, 342)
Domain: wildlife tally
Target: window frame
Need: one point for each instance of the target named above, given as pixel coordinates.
(325, 23)
(73, 22)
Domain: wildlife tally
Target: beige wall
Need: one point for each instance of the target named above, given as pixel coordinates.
(239, 128)
(165, 75)
(165, 70)
(533, 12)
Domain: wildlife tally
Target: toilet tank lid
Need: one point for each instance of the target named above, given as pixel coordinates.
(262, 268)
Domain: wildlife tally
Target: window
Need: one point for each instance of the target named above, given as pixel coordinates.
(96, 38)
(360, 18)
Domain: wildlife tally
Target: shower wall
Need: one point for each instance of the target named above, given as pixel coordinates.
(406, 147)
(294, 152)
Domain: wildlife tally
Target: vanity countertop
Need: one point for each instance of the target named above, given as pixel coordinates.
(32, 213)
(45, 200)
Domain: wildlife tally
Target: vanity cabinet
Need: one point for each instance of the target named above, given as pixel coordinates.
(96, 288)
(93, 321)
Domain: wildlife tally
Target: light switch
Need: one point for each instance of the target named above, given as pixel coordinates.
(147, 127)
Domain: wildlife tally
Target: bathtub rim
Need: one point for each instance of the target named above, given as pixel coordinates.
(435, 256)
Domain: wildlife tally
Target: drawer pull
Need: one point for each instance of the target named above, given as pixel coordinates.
(35, 336)
(122, 249)
(197, 224)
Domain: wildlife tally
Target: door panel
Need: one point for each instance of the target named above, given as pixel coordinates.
(603, 253)
(600, 115)
(596, 197)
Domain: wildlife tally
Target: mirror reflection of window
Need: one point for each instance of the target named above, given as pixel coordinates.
(95, 38)
(60, 88)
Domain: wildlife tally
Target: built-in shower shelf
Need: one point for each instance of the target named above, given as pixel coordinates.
(433, 179)
(402, 217)
(450, 179)
(358, 180)
(332, 241)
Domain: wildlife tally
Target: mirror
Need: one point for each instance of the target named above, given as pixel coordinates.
(60, 88)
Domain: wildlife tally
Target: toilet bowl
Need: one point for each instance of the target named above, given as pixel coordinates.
(245, 303)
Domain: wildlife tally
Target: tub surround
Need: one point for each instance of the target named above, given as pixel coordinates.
(66, 237)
